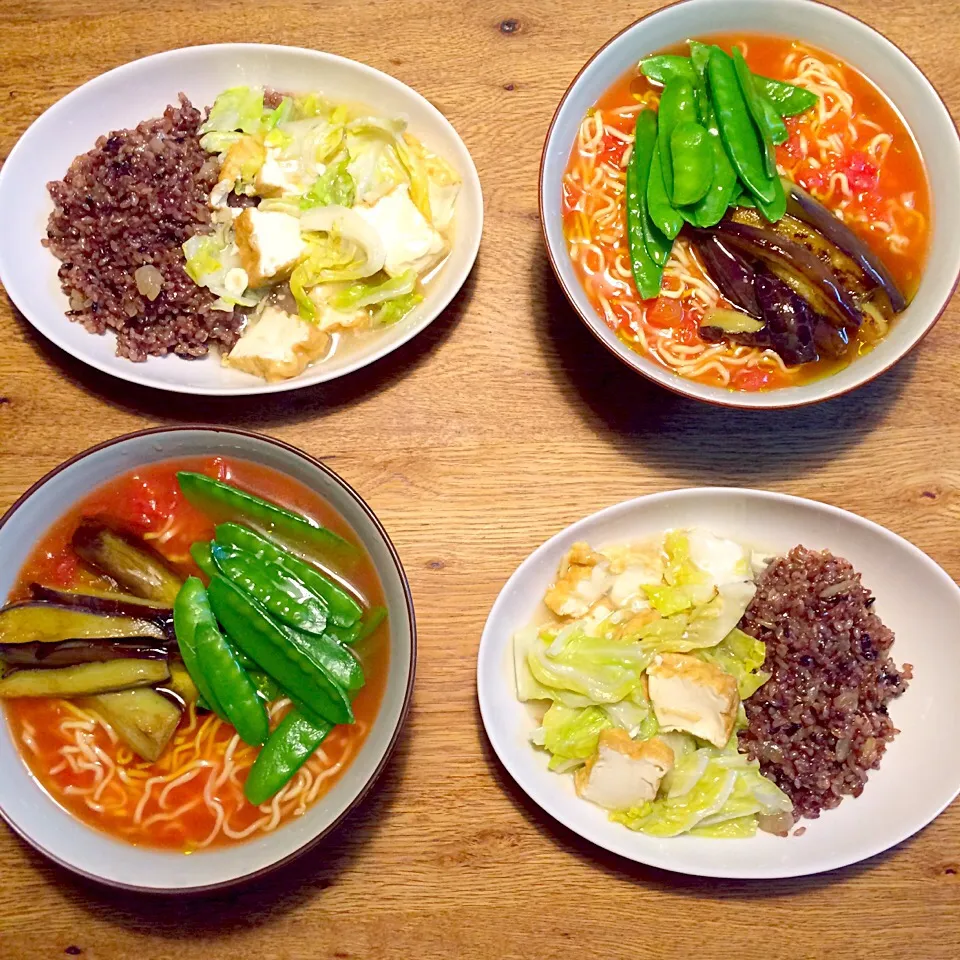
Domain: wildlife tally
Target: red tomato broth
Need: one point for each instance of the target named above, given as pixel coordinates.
(148, 501)
(891, 187)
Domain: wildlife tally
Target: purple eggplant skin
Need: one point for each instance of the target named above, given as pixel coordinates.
(69, 653)
(110, 606)
(729, 271)
(790, 321)
(808, 209)
(831, 342)
(767, 244)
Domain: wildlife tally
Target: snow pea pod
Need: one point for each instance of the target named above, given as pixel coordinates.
(725, 184)
(768, 122)
(777, 207)
(331, 657)
(676, 106)
(666, 67)
(662, 212)
(647, 271)
(371, 623)
(692, 158)
(285, 752)
(267, 688)
(343, 610)
(772, 121)
(285, 597)
(737, 129)
(231, 685)
(202, 553)
(223, 501)
(190, 609)
(254, 631)
(788, 98)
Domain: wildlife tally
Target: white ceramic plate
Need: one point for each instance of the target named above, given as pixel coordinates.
(30, 811)
(829, 29)
(141, 90)
(920, 773)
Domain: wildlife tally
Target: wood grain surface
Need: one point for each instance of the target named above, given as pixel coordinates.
(501, 424)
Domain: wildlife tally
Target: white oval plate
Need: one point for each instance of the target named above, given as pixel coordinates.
(140, 90)
(919, 775)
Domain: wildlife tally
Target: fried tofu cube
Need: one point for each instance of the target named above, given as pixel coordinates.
(583, 580)
(277, 346)
(269, 244)
(276, 177)
(410, 241)
(623, 773)
(242, 161)
(693, 696)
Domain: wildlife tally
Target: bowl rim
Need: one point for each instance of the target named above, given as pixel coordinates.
(675, 383)
(470, 239)
(488, 648)
(407, 696)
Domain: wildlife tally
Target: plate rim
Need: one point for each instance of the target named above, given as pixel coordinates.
(487, 700)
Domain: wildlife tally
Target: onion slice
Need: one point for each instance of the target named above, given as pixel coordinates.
(351, 225)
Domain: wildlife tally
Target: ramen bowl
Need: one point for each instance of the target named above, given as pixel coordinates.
(913, 100)
(30, 810)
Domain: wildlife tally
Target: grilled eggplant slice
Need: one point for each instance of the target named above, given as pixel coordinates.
(103, 601)
(181, 683)
(32, 622)
(143, 719)
(71, 652)
(85, 679)
(131, 563)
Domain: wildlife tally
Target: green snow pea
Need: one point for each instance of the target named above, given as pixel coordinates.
(692, 158)
(231, 685)
(285, 597)
(254, 631)
(191, 608)
(285, 752)
(647, 270)
(343, 610)
(736, 127)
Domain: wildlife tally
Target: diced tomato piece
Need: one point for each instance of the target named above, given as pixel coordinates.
(665, 312)
(148, 502)
(752, 379)
(862, 173)
(612, 151)
(688, 332)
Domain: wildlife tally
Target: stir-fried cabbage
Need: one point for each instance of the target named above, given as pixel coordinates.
(239, 108)
(334, 186)
(593, 670)
(210, 258)
(740, 655)
(321, 162)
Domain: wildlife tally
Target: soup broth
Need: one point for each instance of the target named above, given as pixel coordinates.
(853, 152)
(192, 797)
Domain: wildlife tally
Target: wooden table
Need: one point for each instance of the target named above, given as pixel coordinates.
(501, 424)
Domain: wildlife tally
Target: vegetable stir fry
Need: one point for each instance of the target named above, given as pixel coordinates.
(638, 678)
(328, 220)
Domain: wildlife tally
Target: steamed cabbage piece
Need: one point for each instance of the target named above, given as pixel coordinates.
(327, 165)
(613, 612)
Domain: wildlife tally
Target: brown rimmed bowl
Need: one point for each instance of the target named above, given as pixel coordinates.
(38, 819)
(829, 29)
